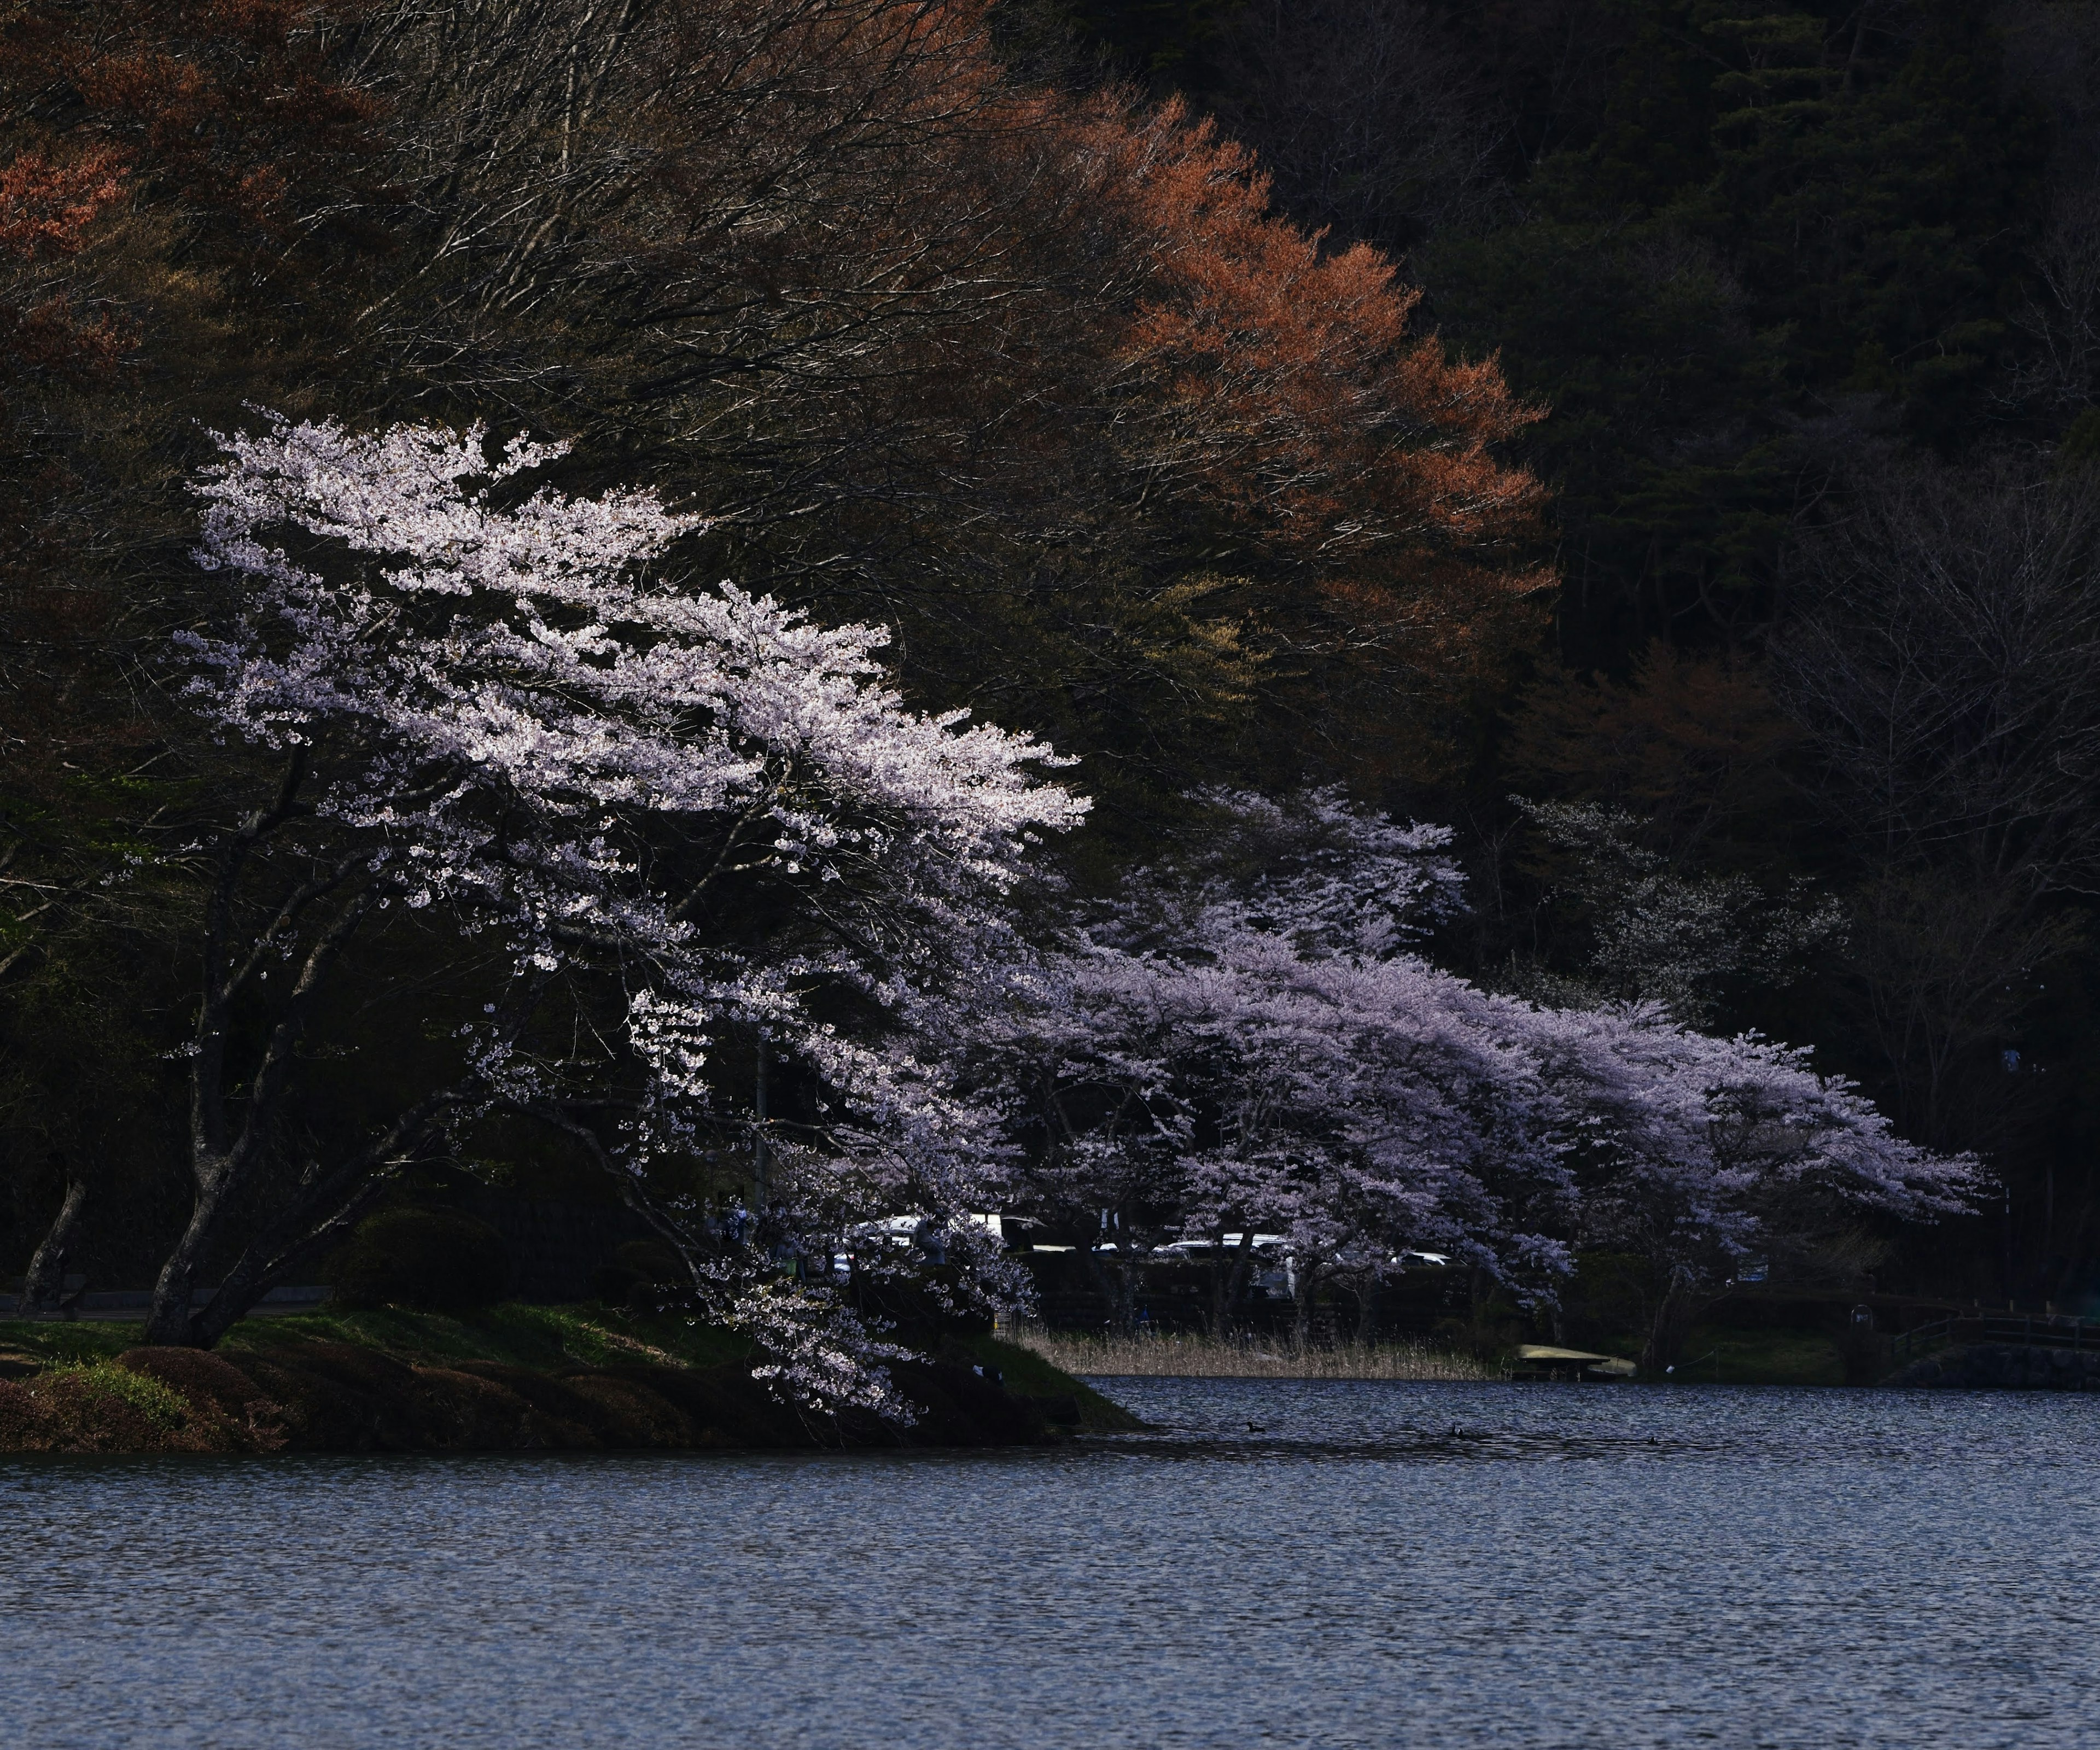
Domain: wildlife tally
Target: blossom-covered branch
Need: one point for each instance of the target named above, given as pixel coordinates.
(1250, 1039)
(671, 824)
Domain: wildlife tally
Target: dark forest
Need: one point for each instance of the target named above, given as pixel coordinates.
(1659, 439)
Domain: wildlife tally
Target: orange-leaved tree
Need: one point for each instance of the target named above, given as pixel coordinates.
(1290, 400)
(1039, 378)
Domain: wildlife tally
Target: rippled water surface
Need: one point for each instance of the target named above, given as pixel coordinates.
(1368, 1564)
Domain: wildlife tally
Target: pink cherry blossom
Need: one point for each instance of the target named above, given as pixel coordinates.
(498, 706)
(1248, 1040)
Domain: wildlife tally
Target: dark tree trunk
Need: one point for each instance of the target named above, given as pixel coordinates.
(171, 1321)
(321, 1211)
(1367, 1292)
(1681, 1303)
(228, 1160)
(45, 1284)
(1304, 1288)
(1229, 1275)
(1116, 1283)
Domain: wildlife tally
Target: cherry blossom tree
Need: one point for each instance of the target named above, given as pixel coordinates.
(1691, 1150)
(1245, 1042)
(1253, 1039)
(664, 825)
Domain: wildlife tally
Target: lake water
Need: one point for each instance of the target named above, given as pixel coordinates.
(1573, 1565)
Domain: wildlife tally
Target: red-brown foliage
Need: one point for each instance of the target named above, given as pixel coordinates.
(224, 104)
(45, 206)
(1300, 399)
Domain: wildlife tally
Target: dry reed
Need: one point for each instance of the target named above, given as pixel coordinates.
(1193, 1357)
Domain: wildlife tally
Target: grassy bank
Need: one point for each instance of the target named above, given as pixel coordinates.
(526, 1335)
(1726, 1355)
(1037, 1378)
(1191, 1356)
(512, 1378)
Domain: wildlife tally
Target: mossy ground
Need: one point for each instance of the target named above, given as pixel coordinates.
(512, 1377)
(513, 1333)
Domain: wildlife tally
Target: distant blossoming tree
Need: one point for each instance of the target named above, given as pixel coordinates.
(661, 820)
(1253, 1041)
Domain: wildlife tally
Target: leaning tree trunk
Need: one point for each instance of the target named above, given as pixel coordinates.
(229, 1160)
(321, 1211)
(171, 1321)
(45, 1284)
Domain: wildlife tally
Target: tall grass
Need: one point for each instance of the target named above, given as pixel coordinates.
(1191, 1356)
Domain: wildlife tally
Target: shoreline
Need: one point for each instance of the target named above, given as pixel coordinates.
(513, 1378)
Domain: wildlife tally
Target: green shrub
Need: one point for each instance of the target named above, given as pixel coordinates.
(153, 1398)
(431, 1260)
(96, 1407)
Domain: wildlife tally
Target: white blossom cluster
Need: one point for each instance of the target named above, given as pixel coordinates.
(1674, 939)
(611, 776)
(1248, 1042)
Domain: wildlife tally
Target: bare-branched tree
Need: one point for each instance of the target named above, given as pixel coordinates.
(1948, 668)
